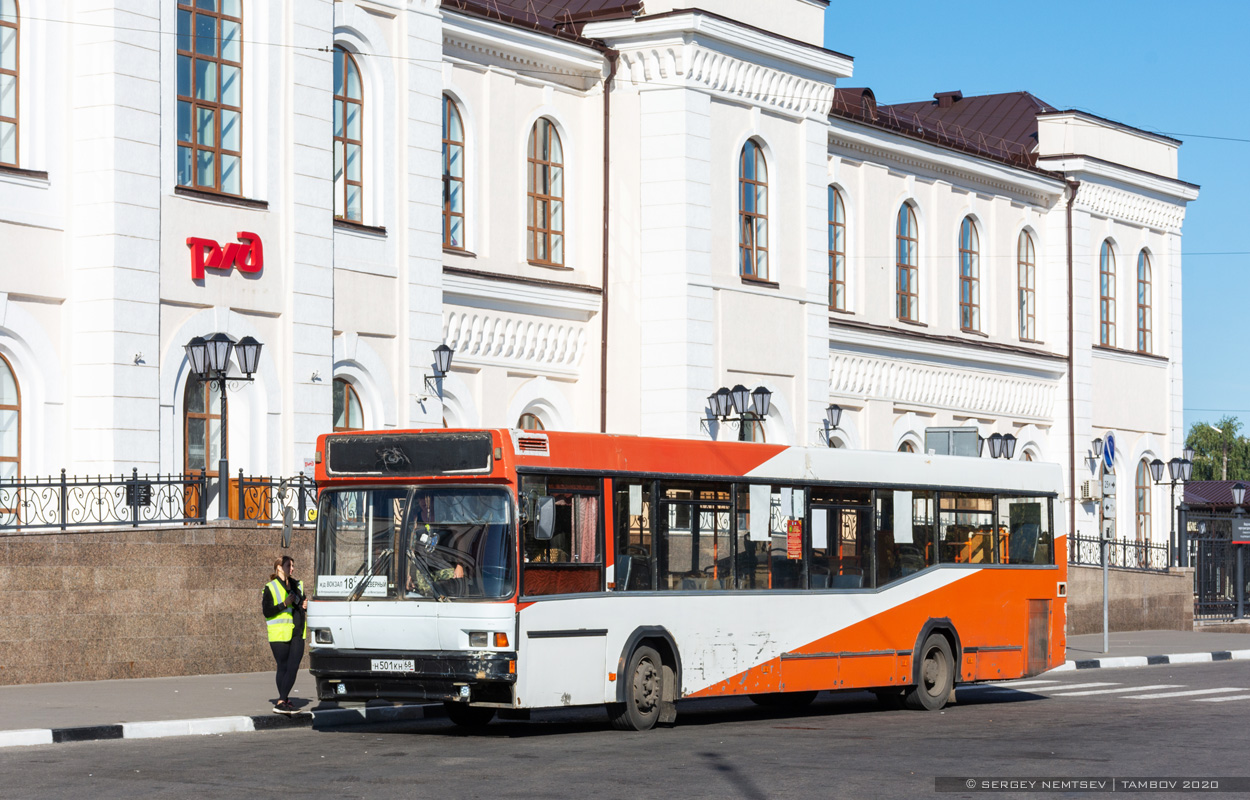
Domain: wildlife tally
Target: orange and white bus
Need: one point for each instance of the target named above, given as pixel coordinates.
(503, 570)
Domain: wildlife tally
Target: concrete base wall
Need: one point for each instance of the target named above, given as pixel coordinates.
(1139, 601)
(138, 603)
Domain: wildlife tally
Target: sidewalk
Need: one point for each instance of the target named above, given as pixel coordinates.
(47, 712)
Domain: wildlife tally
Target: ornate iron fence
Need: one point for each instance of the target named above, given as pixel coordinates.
(1121, 554)
(1214, 558)
(65, 502)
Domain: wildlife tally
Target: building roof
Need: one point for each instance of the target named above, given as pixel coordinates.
(998, 126)
(1212, 493)
(556, 17)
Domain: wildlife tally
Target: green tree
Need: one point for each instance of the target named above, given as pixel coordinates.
(1220, 452)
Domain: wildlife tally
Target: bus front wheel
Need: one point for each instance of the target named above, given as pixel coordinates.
(644, 689)
(468, 716)
(937, 676)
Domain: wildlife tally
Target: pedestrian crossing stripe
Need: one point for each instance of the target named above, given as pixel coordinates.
(1126, 689)
(1221, 699)
(1189, 693)
(1071, 686)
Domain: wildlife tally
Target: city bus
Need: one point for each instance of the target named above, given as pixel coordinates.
(499, 571)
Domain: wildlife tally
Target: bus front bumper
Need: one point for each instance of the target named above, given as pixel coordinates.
(464, 676)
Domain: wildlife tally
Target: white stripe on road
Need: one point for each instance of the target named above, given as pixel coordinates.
(1071, 686)
(1221, 699)
(1190, 693)
(1126, 689)
(1014, 684)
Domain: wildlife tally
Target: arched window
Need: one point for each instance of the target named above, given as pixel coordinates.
(969, 276)
(1143, 303)
(751, 428)
(545, 215)
(1027, 456)
(453, 176)
(837, 251)
(210, 95)
(1143, 501)
(201, 427)
(907, 447)
(10, 424)
(530, 422)
(1026, 267)
(9, 65)
(907, 240)
(1106, 296)
(347, 413)
(349, 141)
(752, 212)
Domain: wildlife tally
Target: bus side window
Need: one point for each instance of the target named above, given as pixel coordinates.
(768, 538)
(571, 560)
(694, 543)
(966, 528)
(904, 521)
(1025, 530)
(631, 513)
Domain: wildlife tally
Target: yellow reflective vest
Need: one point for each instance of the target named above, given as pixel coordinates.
(282, 626)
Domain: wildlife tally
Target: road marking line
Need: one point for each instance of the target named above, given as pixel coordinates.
(1013, 684)
(1126, 689)
(1072, 686)
(1184, 694)
(1221, 699)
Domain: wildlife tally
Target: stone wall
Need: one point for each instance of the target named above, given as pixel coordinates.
(138, 602)
(1139, 601)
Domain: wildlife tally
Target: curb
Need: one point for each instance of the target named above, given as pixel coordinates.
(1150, 661)
(326, 718)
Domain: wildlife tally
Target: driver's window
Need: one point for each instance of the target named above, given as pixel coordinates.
(572, 559)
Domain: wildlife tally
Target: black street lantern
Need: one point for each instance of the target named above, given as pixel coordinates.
(834, 414)
(197, 354)
(442, 359)
(1009, 446)
(248, 350)
(1156, 469)
(996, 445)
(740, 396)
(219, 348)
(1174, 469)
(720, 403)
(1239, 494)
(1098, 448)
(762, 399)
(1187, 453)
(1187, 469)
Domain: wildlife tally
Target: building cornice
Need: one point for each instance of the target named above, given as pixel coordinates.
(505, 293)
(1084, 167)
(969, 353)
(520, 49)
(915, 154)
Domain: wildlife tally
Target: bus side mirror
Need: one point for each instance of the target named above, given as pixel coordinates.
(288, 516)
(544, 517)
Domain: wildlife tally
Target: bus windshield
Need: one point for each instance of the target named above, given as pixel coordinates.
(457, 544)
(460, 544)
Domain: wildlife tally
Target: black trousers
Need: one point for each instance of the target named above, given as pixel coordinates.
(287, 655)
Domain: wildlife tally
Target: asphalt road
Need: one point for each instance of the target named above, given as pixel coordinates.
(1165, 721)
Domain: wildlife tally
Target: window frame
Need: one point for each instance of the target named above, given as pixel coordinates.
(5, 363)
(1026, 282)
(535, 165)
(907, 237)
(16, 72)
(837, 251)
(216, 106)
(1145, 313)
(349, 393)
(1141, 505)
(450, 105)
(750, 223)
(537, 419)
(969, 277)
(209, 414)
(344, 140)
(1106, 295)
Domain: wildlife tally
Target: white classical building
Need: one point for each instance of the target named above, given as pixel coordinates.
(608, 209)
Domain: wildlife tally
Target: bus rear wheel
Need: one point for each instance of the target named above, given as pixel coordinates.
(644, 688)
(787, 701)
(937, 676)
(466, 716)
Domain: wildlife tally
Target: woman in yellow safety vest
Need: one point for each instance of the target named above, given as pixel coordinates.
(285, 605)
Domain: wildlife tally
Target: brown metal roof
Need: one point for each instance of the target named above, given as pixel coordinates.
(1212, 493)
(557, 17)
(998, 126)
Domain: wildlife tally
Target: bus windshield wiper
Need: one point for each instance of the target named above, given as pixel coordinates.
(384, 557)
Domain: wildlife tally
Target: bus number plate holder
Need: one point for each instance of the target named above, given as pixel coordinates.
(393, 665)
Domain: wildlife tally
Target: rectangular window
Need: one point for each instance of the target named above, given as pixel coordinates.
(841, 537)
(210, 95)
(769, 537)
(696, 546)
(904, 527)
(966, 528)
(1027, 525)
(631, 522)
(571, 560)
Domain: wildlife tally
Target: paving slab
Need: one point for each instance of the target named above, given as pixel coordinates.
(1153, 643)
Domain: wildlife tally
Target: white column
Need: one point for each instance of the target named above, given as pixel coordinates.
(1084, 329)
(310, 317)
(113, 296)
(809, 408)
(676, 374)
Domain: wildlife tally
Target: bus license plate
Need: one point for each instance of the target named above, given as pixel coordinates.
(393, 665)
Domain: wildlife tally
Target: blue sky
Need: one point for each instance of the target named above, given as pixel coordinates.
(1173, 68)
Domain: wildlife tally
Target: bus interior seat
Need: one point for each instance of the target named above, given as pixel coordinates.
(848, 581)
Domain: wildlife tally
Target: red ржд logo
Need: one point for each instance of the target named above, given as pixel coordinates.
(248, 255)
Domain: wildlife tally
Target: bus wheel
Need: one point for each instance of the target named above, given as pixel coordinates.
(468, 716)
(643, 691)
(788, 701)
(937, 675)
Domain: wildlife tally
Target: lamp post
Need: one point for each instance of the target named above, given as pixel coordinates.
(725, 403)
(210, 361)
(442, 363)
(833, 415)
(1179, 470)
(1239, 494)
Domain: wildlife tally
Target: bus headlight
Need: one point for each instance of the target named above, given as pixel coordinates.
(477, 639)
(322, 636)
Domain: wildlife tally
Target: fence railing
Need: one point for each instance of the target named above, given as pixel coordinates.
(64, 502)
(1121, 553)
